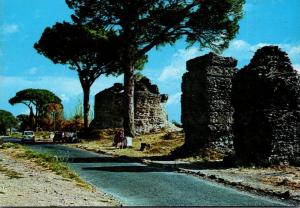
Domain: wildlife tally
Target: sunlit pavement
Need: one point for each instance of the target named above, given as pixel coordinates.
(137, 184)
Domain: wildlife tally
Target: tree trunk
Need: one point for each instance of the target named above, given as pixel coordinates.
(129, 127)
(86, 108)
(31, 119)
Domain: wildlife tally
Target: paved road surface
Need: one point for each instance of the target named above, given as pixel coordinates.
(137, 184)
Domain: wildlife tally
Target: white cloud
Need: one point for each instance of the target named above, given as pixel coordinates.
(295, 50)
(58, 85)
(70, 87)
(26, 111)
(32, 70)
(239, 49)
(254, 48)
(248, 7)
(9, 28)
(297, 67)
(64, 97)
(170, 72)
(239, 45)
(177, 66)
(67, 88)
(105, 82)
(186, 53)
(174, 99)
(244, 51)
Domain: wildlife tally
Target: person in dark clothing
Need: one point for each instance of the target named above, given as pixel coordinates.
(119, 139)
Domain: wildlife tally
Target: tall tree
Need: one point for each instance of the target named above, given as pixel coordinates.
(144, 24)
(53, 117)
(25, 123)
(37, 99)
(90, 52)
(7, 120)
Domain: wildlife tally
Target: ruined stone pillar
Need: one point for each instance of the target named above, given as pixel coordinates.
(150, 113)
(266, 99)
(206, 102)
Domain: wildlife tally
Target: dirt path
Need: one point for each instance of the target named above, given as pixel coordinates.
(24, 184)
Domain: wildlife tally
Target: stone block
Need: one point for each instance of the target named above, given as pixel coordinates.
(265, 98)
(206, 102)
(150, 115)
(209, 60)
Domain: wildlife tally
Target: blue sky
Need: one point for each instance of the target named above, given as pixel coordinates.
(23, 21)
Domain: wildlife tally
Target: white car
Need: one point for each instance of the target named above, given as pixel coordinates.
(28, 136)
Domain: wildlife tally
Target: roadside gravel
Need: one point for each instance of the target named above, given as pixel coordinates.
(22, 183)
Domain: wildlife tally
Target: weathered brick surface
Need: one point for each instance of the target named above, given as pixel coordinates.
(206, 102)
(266, 102)
(150, 114)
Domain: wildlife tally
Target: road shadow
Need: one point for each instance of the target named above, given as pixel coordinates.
(132, 169)
(172, 162)
(96, 160)
(39, 143)
(205, 165)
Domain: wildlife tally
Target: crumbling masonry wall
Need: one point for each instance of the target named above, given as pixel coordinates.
(206, 102)
(150, 113)
(108, 109)
(266, 99)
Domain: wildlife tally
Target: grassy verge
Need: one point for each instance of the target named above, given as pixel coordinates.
(42, 134)
(45, 160)
(161, 144)
(16, 135)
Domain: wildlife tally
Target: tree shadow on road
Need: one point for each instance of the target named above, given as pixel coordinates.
(175, 161)
(137, 169)
(97, 160)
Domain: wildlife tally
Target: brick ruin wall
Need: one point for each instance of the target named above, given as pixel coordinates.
(108, 108)
(266, 99)
(206, 102)
(150, 113)
(254, 111)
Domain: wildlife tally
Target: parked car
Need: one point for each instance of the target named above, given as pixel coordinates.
(28, 136)
(61, 136)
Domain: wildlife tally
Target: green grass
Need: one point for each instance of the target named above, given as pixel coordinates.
(16, 135)
(42, 134)
(161, 144)
(47, 161)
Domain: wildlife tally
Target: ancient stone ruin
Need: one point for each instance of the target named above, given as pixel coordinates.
(150, 114)
(266, 99)
(206, 102)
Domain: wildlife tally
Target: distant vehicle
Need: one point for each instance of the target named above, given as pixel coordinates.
(61, 136)
(28, 136)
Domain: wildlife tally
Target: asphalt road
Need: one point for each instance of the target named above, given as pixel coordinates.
(137, 184)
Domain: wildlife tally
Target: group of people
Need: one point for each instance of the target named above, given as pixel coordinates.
(120, 140)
